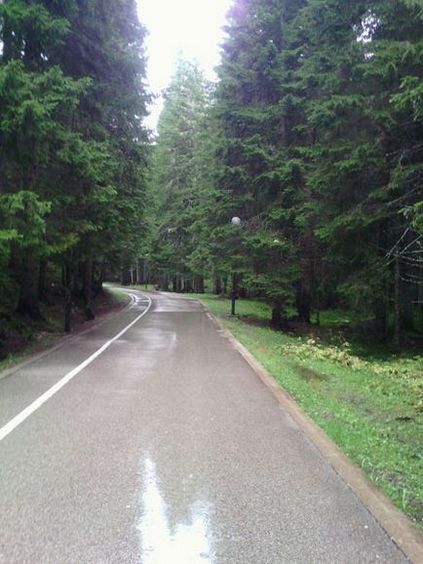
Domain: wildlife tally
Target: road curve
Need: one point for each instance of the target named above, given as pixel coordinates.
(166, 448)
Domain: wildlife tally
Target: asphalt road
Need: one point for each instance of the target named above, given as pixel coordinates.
(166, 448)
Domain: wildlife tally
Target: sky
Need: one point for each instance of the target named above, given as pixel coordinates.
(190, 27)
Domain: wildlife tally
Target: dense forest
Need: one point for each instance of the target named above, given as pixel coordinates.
(312, 137)
(73, 151)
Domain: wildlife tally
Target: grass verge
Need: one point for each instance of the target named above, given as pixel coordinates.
(146, 287)
(367, 399)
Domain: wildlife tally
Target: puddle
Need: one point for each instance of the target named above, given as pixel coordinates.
(185, 543)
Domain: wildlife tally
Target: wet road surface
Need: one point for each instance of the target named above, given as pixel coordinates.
(167, 448)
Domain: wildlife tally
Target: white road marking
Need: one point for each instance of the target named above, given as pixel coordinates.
(30, 409)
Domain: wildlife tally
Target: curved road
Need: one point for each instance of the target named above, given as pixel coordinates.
(165, 447)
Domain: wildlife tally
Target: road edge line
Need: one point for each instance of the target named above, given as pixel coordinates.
(395, 523)
(63, 340)
(23, 415)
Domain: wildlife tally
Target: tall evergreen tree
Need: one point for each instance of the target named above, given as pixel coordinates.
(261, 178)
(72, 143)
(36, 101)
(319, 110)
(105, 43)
(178, 178)
(356, 59)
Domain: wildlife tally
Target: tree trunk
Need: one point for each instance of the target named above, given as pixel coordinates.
(97, 279)
(28, 303)
(87, 289)
(187, 289)
(179, 283)
(408, 296)
(303, 302)
(218, 285)
(199, 284)
(42, 280)
(397, 302)
(142, 278)
(234, 292)
(381, 319)
(164, 284)
(67, 287)
(225, 285)
(8, 40)
(277, 311)
(306, 289)
(318, 309)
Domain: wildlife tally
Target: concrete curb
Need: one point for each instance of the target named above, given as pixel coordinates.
(398, 527)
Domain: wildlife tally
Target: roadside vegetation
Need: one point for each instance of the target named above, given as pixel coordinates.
(21, 337)
(145, 287)
(73, 156)
(368, 398)
(298, 177)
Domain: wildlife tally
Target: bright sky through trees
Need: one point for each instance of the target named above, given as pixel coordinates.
(190, 27)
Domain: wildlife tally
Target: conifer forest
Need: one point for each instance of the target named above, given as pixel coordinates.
(312, 136)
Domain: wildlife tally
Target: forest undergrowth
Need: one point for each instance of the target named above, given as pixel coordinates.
(21, 337)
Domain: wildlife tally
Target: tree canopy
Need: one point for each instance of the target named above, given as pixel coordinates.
(315, 142)
(72, 145)
(312, 136)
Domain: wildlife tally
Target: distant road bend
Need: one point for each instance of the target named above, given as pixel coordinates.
(150, 439)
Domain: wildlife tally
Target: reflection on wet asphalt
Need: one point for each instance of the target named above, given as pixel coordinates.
(185, 542)
(168, 449)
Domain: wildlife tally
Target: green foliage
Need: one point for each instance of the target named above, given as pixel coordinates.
(370, 405)
(259, 180)
(30, 31)
(72, 145)
(316, 131)
(24, 215)
(34, 110)
(180, 178)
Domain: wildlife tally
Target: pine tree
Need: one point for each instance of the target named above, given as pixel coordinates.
(36, 100)
(106, 44)
(356, 59)
(73, 147)
(178, 179)
(261, 177)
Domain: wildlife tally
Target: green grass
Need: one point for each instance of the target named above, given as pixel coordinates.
(334, 318)
(371, 405)
(119, 295)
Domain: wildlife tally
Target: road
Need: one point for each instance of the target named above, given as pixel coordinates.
(166, 448)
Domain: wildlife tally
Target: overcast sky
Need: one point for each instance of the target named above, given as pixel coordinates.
(191, 27)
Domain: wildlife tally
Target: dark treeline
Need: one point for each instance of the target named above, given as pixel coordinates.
(313, 137)
(72, 149)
